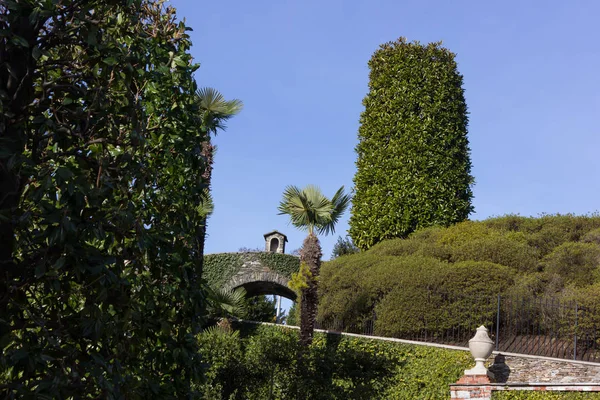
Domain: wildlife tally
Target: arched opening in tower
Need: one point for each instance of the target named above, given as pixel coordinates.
(274, 245)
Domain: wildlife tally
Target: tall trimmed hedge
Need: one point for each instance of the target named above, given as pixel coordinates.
(413, 167)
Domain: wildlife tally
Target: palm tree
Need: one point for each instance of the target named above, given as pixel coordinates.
(311, 211)
(214, 111)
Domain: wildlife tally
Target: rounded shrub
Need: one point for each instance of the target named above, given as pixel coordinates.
(424, 242)
(350, 288)
(550, 231)
(342, 293)
(442, 298)
(498, 249)
(592, 236)
(575, 262)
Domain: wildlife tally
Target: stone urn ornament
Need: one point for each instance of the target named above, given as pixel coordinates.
(481, 347)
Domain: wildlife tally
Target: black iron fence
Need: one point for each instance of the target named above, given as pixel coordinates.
(536, 326)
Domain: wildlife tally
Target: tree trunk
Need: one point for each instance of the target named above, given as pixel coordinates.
(311, 255)
(207, 152)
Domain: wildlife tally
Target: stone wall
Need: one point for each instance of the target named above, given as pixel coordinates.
(522, 369)
(258, 279)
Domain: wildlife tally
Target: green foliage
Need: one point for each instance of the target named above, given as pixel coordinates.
(223, 303)
(338, 367)
(222, 351)
(220, 268)
(547, 231)
(435, 278)
(293, 317)
(576, 263)
(592, 237)
(547, 395)
(413, 167)
(261, 309)
(100, 295)
(309, 209)
(342, 247)
(441, 297)
(301, 279)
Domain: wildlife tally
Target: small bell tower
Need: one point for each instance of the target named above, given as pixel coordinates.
(275, 242)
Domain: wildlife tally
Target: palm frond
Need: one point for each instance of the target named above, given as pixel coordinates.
(206, 204)
(226, 303)
(215, 110)
(308, 208)
(340, 202)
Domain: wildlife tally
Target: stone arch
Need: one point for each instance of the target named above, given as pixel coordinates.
(262, 282)
(258, 272)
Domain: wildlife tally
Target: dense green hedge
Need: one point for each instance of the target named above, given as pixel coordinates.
(413, 166)
(429, 278)
(220, 267)
(260, 363)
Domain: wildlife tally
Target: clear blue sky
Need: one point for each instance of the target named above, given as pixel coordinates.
(531, 75)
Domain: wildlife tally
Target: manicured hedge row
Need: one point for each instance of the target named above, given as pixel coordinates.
(220, 267)
(260, 362)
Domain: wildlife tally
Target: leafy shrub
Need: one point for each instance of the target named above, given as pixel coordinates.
(576, 263)
(342, 293)
(410, 283)
(222, 352)
(270, 357)
(339, 367)
(592, 237)
(457, 295)
(420, 378)
(425, 242)
(497, 249)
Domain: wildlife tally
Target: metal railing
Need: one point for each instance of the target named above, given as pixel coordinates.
(536, 326)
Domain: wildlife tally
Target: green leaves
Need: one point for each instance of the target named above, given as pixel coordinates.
(308, 208)
(105, 247)
(262, 364)
(413, 167)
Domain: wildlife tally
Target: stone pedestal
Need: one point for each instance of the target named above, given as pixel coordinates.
(471, 387)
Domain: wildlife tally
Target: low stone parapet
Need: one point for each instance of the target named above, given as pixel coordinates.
(472, 389)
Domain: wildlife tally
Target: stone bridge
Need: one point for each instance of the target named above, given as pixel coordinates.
(259, 279)
(259, 272)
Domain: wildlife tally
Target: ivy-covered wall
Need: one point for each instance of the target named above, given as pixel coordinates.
(221, 267)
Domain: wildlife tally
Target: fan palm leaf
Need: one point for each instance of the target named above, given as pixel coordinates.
(226, 303)
(309, 209)
(215, 110)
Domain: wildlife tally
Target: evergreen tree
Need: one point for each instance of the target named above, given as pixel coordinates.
(342, 247)
(413, 167)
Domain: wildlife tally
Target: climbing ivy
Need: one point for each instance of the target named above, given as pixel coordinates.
(220, 267)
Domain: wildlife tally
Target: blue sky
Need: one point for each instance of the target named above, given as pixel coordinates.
(300, 67)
